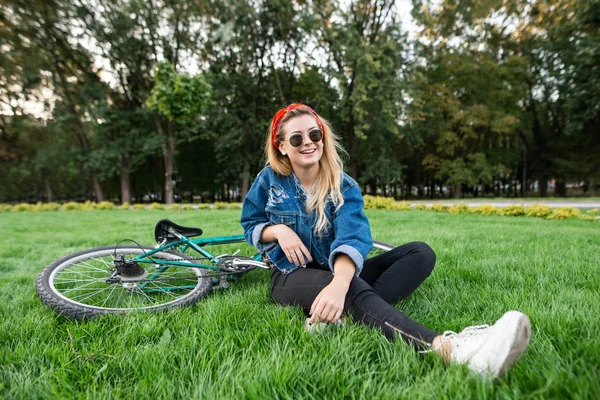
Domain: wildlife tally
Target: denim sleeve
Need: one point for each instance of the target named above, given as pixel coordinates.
(352, 231)
(254, 218)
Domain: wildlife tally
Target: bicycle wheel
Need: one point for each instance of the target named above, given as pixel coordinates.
(82, 285)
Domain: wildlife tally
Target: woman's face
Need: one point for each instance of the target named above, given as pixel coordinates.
(308, 153)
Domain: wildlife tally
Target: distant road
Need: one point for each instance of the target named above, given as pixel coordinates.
(577, 203)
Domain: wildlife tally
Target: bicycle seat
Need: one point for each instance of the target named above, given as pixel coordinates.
(164, 228)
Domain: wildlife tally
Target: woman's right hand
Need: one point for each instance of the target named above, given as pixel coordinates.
(292, 246)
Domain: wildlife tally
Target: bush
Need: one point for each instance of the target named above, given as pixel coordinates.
(402, 206)
(156, 206)
(565, 213)
(485, 209)
(460, 208)
(124, 206)
(138, 206)
(219, 205)
(235, 206)
(420, 207)
(538, 210)
(5, 207)
(173, 207)
(187, 207)
(512, 210)
(46, 206)
(105, 205)
(71, 205)
(379, 203)
(203, 206)
(23, 207)
(593, 211)
(437, 207)
(88, 205)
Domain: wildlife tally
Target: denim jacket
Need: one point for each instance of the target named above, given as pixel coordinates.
(276, 199)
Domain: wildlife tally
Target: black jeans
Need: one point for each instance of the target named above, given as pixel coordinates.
(384, 281)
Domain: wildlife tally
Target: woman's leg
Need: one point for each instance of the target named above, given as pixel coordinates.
(396, 274)
(302, 286)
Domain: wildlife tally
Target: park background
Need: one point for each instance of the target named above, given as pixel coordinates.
(143, 101)
(148, 101)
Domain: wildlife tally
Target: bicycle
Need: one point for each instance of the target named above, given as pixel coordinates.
(125, 278)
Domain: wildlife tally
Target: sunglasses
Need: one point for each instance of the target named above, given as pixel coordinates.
(297, 139)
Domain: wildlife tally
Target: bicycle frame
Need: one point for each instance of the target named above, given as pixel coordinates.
(184, 244)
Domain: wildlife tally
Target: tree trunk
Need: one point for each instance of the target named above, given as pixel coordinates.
(543, 187)
(245, 180)
(97, 188)
(591, 192)
(373, 187)
(47, 189)
(457, 190)
(560, 189)
(168, 155)
(125, 180)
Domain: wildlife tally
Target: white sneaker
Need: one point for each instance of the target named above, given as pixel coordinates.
(491, 350)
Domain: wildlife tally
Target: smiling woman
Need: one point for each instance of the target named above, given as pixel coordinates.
(306, 215)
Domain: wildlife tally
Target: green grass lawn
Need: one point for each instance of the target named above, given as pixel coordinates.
(237, 343)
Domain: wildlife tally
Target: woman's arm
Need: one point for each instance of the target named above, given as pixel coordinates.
(329, 304)
(295, 251)
(263, 235)
(352, 231)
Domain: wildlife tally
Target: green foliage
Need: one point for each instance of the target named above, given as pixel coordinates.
(203, 206)
(538, 210)
(187, 207)
(378, 203)
(105, 205)
(71, 205)
(179, 97)
(511, 210)
(486, 209)
(22, 207)
(125, 206)
(565, 213)
(46, 206)
(438, 207)
(156, 206)
(5, 208)
(460, 208)
(138, 206)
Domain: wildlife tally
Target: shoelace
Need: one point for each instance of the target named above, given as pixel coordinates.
(469, 331)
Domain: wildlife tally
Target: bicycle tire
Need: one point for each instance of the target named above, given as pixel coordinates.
(96, 263)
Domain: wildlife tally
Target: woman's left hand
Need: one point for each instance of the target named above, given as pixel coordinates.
(329, 304)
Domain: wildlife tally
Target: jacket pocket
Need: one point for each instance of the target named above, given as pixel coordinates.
(288, 220)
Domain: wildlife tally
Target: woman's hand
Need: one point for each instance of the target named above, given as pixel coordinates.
(292, 246)
(329, 304)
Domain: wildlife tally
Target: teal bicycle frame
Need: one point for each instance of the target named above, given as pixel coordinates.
(184, 244)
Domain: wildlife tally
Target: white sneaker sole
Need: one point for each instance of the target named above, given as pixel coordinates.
(513, 346)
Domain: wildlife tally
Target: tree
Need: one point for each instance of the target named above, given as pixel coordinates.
(179, 98)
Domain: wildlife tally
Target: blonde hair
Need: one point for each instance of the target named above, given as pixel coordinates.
(331, 167)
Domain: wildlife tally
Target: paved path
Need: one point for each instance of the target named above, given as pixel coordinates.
(503, 203)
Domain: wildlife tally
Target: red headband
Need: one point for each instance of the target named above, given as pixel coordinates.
(276, 123)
